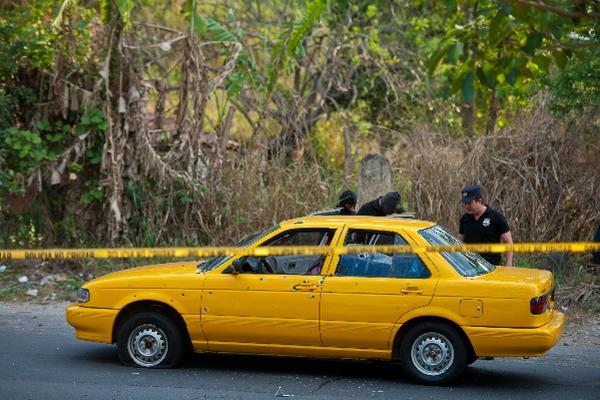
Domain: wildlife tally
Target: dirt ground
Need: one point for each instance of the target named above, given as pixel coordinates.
(582, 327)
(47, 281)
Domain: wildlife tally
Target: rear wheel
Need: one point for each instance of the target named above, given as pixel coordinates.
(433, 353)
(150, 340)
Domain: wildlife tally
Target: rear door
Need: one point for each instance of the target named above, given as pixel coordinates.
(367, 293)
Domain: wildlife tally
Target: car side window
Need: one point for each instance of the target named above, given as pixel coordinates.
(297, 264)
(401, 265)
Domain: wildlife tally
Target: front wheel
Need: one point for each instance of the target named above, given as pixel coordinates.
(433, 353)
(150, 340)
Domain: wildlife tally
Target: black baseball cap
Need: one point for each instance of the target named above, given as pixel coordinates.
(470, 192)
(347, 197)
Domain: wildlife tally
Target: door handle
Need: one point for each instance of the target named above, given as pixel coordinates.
(411, 289)
(305, 287)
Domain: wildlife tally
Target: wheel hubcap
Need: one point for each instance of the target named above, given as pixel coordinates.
(432, 354)
(147, 345)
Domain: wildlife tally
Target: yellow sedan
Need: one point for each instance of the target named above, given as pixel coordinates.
(435, 313)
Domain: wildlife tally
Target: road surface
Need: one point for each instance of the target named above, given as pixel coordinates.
(42, 359)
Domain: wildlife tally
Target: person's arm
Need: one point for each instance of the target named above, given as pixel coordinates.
(506, 238)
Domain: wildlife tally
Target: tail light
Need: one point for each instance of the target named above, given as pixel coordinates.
(539, 305)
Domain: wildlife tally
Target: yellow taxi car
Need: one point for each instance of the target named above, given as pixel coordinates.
(435, 313)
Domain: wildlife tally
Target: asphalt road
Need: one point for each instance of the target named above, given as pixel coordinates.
(41, 359)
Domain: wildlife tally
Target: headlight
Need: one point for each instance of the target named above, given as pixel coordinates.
(82, 296)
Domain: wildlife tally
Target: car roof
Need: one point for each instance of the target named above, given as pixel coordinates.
(392, 221)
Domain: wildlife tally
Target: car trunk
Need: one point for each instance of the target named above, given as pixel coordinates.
(534, 289)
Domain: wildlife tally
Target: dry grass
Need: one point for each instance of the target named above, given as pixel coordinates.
(254, 193)
(243, 193)
(542, 176)
(579, 286)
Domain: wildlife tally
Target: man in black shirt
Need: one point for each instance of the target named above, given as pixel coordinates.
(387, 204)
(483, 224)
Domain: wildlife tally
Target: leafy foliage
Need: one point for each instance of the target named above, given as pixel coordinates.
(289, 43)
(135, 108)
(577, 86)
(509, 47)
(120, 9)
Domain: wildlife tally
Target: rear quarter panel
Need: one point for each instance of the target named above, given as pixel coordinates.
(497, 299)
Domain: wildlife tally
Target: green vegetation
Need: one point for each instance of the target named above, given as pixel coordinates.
(144, 122)
(495, 54)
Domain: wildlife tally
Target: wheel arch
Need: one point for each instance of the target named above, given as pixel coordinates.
(146, 306)
(408, 325)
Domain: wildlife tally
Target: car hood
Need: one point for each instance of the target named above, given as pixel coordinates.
(160, 271)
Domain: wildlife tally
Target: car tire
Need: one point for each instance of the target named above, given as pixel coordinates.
(433, 353)
(150, 340)
(471, 359)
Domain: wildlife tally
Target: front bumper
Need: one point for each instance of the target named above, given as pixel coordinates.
(516, 342)
(93, 324)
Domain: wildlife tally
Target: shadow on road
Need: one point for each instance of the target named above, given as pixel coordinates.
(481, 375)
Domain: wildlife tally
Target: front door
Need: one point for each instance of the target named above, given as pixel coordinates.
(367, 293)
(275, 303)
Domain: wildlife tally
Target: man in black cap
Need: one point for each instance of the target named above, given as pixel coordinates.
(387, 204)
(347, 203)
(483, 224)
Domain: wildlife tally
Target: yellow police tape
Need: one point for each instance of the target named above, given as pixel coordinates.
(574, 247)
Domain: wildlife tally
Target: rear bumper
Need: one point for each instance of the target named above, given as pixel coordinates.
(93, 324)
(513, 342)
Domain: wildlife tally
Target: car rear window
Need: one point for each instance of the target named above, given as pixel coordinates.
(466, 264)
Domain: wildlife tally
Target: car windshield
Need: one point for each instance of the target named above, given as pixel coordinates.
(466, 264)
(246, 241)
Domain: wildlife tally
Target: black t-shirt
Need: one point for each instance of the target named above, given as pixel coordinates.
(487, 229)
(374, 208)
(371, 208)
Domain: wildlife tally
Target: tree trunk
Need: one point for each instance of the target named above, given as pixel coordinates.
(493, 114)
(113, 157)
(468, 109)
(349, 158)
(468, 114)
